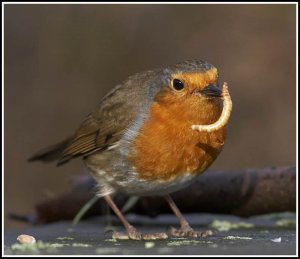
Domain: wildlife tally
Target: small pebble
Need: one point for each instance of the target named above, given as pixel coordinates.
(26, 239)
(276, 240)
(237, 237)
(149, 245)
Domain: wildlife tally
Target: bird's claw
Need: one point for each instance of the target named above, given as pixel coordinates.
(133, 234)
(189, 232)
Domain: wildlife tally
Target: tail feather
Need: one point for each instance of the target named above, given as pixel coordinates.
(51, 153)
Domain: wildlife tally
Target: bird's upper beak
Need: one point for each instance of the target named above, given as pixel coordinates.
(210, 91)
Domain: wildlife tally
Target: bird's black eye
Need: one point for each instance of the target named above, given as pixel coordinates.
(178, 85)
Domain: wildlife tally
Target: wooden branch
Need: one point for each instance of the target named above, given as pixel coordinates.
(243, 193)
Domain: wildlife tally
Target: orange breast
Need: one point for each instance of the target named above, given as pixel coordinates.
(166, 146)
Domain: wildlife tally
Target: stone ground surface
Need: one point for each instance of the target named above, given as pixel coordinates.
(273, 234)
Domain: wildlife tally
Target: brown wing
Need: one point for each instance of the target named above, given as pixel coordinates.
(117, 110)
(99, 131)
(106, 125)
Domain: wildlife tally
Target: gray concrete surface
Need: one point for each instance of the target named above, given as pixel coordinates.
(257, 237)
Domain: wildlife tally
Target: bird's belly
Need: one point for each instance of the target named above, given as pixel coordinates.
(131, 184)
(114, 172)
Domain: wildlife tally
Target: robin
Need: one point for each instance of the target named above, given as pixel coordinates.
(153, 134)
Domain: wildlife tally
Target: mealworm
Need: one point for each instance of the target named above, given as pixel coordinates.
(222, 121)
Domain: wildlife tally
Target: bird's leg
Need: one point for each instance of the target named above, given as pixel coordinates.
(132, 232)
(185, 229)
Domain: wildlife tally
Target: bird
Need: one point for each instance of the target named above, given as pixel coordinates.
(153, 134)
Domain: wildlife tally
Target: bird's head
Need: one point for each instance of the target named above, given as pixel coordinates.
(191, 87)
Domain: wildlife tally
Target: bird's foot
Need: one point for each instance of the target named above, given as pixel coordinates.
(155, 236)
(187, 231)
(133, 234)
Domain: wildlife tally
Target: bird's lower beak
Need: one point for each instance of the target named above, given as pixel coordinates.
(211, 91)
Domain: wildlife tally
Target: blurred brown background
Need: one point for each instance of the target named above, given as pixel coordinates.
(61, 59)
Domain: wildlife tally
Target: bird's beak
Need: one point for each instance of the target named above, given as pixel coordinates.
(211, 91)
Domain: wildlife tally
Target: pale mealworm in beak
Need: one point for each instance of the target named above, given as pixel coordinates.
(222, 121)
